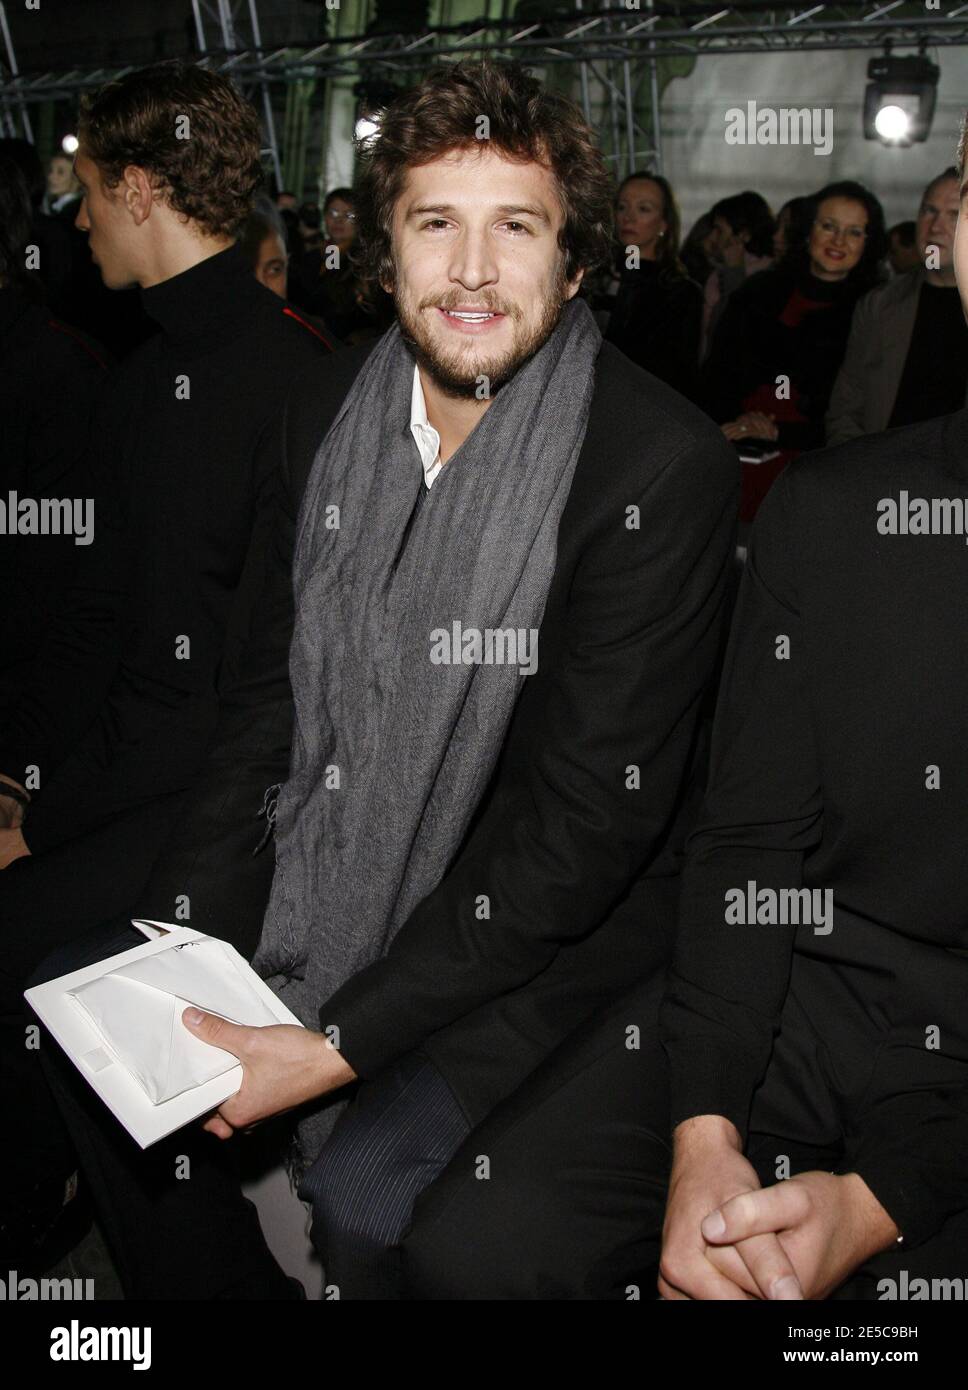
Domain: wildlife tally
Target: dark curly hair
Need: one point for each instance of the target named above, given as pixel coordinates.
(211, 176)
(526, 123)
(748, 212)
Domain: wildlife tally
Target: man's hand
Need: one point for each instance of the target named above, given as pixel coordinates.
(708, 1160)
(284, 1066)
(828, 1225)
(12, 846)
(11, 812)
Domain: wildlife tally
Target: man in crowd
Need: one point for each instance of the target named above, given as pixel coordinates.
(510, 583)
(107, 736)
(907, 355)
(786, 1116)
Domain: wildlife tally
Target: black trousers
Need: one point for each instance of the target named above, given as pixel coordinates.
(46, 902)
(558, 1194)
(175, 1216)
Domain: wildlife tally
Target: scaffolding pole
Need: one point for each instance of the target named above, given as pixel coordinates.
(237, 58)
(618, 47)
(9, 99)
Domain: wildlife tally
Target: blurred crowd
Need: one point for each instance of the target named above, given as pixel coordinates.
(750, 314)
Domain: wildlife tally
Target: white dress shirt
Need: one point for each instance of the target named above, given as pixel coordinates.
(426, 437)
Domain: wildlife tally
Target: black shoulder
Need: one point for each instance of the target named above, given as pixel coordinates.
(640, 406)
(320, 389)
(641, 425)
(832, 486)
(313, 402)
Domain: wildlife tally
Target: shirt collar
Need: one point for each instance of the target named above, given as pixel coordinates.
(425, 436)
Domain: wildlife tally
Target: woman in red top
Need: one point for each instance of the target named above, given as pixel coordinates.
(779, 345)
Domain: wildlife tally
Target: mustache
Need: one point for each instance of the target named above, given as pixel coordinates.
(455, 303)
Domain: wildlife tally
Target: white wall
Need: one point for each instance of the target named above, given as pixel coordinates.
(703, 168)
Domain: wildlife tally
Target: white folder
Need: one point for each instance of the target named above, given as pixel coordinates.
(120, 1023)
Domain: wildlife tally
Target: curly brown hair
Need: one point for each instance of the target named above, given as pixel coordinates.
(526, 123)
(212, 175)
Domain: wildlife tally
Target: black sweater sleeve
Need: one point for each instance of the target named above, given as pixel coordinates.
(761, 814)
(80, 655)
(220, 854)
(557, 847)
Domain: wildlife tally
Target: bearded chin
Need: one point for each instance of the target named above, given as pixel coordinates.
(463, 380)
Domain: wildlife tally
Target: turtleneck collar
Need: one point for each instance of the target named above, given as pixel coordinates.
(815, 288)
(210, 297)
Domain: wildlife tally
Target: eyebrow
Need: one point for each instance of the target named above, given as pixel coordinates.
(505, 209)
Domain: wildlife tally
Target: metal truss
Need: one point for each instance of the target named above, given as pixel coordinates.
(616, 50)
(238, 28)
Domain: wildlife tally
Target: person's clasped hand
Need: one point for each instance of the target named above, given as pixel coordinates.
(827, 1224)
(709, 1171)
(752, 424)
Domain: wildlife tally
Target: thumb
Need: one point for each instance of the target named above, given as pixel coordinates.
(215, 1030)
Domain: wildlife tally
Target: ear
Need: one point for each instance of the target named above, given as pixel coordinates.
(573, 286)
(138, 193)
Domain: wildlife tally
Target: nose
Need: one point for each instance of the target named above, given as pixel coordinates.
(473, 263)
(80, 221)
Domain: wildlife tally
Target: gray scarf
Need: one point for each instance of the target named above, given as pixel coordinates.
(393, 746)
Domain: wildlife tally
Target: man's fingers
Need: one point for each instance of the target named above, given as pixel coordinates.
(217, 1126)
(757, 1213)
(216, 1031)
(770, 1267)
(702, 1281)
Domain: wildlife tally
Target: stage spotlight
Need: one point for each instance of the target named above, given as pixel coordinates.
(69, 144)
(899, 100)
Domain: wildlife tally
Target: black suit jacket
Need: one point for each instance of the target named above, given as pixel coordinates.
(843, 765)
(576, 838)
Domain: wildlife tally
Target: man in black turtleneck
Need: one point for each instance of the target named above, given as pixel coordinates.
(97, 756)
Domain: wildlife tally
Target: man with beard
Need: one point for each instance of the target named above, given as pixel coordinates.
(476, 843)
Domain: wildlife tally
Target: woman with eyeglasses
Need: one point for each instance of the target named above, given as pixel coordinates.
(779, 345)
(329, 280)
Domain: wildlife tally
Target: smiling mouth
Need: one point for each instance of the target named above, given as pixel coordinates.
(473, 315)
(470, 320)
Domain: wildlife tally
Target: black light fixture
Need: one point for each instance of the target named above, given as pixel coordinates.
(900, 98)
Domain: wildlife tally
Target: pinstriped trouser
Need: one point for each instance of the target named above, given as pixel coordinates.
(397, 1134)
